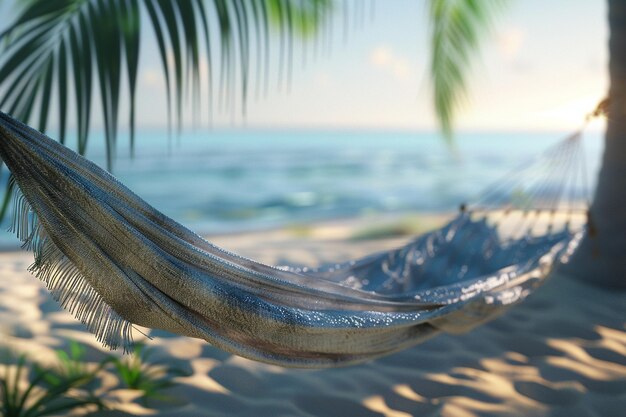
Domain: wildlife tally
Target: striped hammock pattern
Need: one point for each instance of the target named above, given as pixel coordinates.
(114, 261)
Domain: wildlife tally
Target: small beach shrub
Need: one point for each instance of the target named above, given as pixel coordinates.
(28, 389)
(72, 364)
(137, 372)
(400, 228)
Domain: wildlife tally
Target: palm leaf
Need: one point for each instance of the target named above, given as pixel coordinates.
(457, 27)
(72, 44)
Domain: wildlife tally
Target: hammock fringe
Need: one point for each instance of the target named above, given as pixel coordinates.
(65, 281)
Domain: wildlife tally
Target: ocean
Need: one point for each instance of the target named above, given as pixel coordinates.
(225, 181)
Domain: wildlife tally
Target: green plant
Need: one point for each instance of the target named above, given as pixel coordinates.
(137, 373)
(457, 28)
(77, 50)
(28, 389)
(42, 392)
(403, 227)
(72, 364)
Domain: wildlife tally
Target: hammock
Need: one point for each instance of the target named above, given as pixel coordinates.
(114, 262)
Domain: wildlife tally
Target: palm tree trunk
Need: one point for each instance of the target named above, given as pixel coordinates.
(601, 258)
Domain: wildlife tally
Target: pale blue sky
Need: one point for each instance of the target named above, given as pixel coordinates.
(542, 68)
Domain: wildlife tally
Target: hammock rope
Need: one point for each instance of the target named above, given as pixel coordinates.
(115, 262)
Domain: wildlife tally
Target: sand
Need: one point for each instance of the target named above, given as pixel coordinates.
(560, 353)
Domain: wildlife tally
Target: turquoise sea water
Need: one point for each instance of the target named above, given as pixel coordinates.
(236, 180)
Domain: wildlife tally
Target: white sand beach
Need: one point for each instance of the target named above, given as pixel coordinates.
(560, 353)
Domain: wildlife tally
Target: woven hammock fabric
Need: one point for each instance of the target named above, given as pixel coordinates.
(114, 261)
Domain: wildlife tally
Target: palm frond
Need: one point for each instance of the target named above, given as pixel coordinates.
(457, 27)
(63, 47)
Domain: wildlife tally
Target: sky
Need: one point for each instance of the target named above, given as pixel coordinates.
(542, 68)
